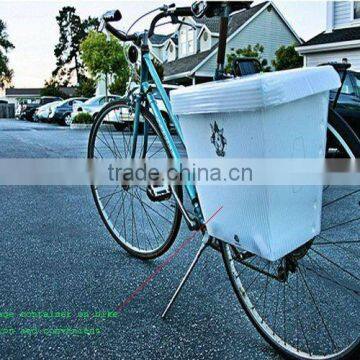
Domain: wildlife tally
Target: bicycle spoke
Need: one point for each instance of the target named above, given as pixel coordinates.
(151, 208)
(317, 308)
(113, 193)
(98, 152)
(340, 198)
(328, 278)
(335, 264)
(340, 224)
(120, 208)
(337, 244)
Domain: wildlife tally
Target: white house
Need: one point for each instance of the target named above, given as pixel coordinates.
(340, 40)
(189, 55)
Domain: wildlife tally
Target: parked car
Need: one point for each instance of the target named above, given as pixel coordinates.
(120, 121)
(18, 110)
(348, 105)
(93, 105)
(42, 113)
(28, 110)
(61, 113)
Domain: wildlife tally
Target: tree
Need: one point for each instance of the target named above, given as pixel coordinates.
(118, 86)
(6, 73)
(72, 32)
(287, 58)
(52, 88)
(86, 88)
(104, 56)
(250, 52)
(159, 68)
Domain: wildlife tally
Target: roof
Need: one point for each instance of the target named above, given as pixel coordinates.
(69, 91)
(189, 62)
(339, 35)
(158, 39)
(240, 18)
(22, 91)
(185, 64)
(212, 24)
(236, 20)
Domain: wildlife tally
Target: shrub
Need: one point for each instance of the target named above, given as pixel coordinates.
(86, 88)
(255, 52)
(52, 88)
(287, 58)
(83, 118)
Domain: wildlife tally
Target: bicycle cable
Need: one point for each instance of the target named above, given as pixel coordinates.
(133, 66)
(141, 17)
(133, 70)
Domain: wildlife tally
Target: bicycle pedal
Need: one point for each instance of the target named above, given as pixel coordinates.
(158, 193)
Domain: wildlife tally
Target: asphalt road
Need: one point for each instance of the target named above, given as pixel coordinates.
(63, 277)
(56, 255)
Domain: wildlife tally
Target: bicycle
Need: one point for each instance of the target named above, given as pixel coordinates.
(285, 299)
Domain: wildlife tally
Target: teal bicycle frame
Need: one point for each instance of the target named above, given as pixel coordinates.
(148, 72)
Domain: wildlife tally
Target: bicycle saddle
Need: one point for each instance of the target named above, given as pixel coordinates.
(338, 66)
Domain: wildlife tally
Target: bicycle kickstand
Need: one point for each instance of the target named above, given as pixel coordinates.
(206, 240)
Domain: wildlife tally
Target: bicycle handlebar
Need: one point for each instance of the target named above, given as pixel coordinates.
(212, 9)
(180, 11)
(122, 36)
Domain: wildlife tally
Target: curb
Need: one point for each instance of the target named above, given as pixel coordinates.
(80, 126)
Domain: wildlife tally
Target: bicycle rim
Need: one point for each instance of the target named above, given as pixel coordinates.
(144, 228)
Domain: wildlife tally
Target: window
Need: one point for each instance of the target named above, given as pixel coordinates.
(171, 48)
(182, 40)
(347, 88)
(205, 43)
(356, 10)
(187, 42)
(357, 82)
(191, 41)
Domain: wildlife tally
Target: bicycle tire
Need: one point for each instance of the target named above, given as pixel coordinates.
(351, 140)
(133, 250)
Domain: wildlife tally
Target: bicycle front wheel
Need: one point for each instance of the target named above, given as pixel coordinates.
(144, 227)
(307, 304)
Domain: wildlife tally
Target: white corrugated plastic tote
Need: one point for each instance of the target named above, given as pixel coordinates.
(272, 115)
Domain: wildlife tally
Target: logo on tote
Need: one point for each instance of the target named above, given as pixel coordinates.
(218, 139)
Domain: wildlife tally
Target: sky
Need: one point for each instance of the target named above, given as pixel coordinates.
(33, 29)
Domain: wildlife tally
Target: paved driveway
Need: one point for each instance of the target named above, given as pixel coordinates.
(55, 255)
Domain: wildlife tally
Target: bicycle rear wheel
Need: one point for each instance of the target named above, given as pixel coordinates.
(143, 227)
(307, 305)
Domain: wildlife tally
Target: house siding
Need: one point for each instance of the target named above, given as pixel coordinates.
(342, 13)
(171, 56)
(353, 57)
(205, 44)
(159, 52)
(190, 33)
(267, 29)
